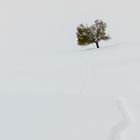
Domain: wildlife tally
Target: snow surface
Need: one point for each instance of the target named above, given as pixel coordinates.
(52, 89)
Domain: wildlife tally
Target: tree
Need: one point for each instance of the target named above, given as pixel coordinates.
(92, 34)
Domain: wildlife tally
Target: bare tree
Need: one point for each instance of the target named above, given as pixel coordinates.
(92, 34)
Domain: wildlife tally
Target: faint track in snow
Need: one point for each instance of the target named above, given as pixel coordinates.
(87, 62)
(117, 132)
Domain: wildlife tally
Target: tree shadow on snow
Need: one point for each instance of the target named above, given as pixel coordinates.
(91, 49)
(103, 47)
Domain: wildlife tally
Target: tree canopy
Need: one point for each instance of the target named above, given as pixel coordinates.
(92, 34)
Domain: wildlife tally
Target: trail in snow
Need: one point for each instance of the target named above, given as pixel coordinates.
(117, 132)
(87, 62)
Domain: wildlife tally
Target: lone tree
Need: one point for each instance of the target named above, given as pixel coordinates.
(92, 34)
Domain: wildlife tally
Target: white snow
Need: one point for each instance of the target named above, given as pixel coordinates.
(52, 89)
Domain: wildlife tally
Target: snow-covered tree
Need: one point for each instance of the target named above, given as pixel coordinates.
(92, 34)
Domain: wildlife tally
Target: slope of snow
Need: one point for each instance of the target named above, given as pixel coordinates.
(45, 78)
(100, 76)
(57, 117)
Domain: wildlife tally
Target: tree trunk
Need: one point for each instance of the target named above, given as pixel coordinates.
(97, 45)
